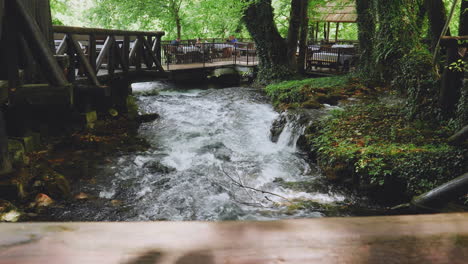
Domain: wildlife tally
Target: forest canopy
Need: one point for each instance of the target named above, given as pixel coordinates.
(198, 18)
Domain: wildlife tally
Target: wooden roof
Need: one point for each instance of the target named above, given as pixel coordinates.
(336, 11)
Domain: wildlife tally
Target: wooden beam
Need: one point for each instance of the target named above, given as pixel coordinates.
(144, 51)
(111, 58)
(100, 31)
(133, 52)
(414, 239)
(88, 69)
(92, 54)
(39, 45)
(72, 65)
(121, 57)
(152, 54)
(62, 47)
(28, 64)
(104, 51)
(10, 49)
(126, 51)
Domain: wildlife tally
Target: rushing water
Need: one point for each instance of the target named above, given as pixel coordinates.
(210, 149)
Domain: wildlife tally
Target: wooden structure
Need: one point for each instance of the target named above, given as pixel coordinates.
(35, 73)
(88, 49)
(431, 239)
(336, 11)
(209, 54)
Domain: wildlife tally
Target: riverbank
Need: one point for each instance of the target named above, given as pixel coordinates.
(51, 174)
(368, 142)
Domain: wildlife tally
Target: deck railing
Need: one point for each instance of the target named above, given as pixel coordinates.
(91, 50)
(209, 54)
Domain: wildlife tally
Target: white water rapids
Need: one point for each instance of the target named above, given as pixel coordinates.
(206, 143)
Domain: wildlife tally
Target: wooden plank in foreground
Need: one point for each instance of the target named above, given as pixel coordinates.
(397, 239)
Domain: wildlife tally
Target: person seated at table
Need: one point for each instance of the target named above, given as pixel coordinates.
(175, 42)
(233, 39)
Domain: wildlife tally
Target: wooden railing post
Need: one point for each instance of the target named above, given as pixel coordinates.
(38, 44)
(92, 53)
(111, 57)
(126, 51)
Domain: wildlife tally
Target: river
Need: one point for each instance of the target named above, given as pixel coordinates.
(211, 158)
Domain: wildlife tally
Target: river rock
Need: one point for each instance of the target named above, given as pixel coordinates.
(82, 196)
(56, 185)
(146, 118)
(277, 127)
(8, 212)
(156, 167)
(43, 200)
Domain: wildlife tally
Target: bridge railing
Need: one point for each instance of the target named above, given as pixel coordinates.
(209, 54)
(92, 52)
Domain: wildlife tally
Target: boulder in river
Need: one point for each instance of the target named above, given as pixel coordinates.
(8, 212)
(158, 167)
(56, 185)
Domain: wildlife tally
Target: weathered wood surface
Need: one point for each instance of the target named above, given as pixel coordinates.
(100, 31)
(39, 44)
(398, 239)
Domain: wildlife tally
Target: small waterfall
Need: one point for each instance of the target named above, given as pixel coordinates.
(288, 128)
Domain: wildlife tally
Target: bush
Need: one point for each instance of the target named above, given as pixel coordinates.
(382, 149)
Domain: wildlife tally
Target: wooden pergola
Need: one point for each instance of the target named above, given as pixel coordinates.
(335, 11)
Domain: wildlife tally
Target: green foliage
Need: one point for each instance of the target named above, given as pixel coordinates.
(296, 91)
(380, 146)
(458, 66)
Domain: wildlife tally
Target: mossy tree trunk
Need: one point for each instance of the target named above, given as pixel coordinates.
(437, 15)
(463, 29)
(294, 29)
(366, 25)
(273, 50)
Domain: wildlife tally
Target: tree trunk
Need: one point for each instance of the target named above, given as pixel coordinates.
(463, 29)
(294, 27)
(303, 38)
(366, 26)
(452, 82)
(437, 15)
(179, 27)
(271, 47)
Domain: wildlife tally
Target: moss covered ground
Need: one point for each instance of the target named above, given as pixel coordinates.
(370, 143)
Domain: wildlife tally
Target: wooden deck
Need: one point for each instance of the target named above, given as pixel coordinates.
(396, 239)
(191, 66)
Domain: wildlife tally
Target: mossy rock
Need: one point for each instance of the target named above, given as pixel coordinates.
(338, 172)
(331, 99)
(312, 104)
(56, 185)
(16, 152)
